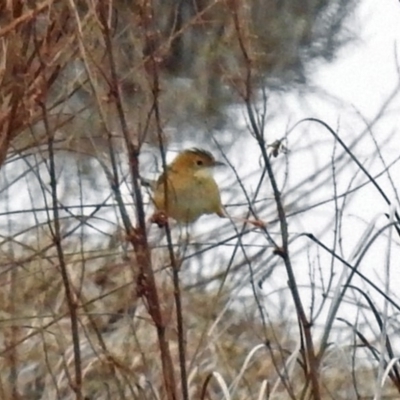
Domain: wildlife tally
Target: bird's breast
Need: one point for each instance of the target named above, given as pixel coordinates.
(189, 197)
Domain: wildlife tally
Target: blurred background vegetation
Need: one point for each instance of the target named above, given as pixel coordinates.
(195, 44)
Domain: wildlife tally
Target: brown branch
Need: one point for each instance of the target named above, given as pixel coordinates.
(153, 73)
(137, 236)
(311, 364)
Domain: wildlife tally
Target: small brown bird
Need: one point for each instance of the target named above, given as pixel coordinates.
(187, 189)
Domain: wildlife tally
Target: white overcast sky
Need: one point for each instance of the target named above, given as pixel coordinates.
(365, 72)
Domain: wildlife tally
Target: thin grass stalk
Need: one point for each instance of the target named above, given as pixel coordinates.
(394, 376)
(383, 338)
(221, 382)
(55, 230)
(358, 163)
(147, 15)
(354, 268)
(14, 331)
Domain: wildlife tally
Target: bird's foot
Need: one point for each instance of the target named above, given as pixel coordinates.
(160, 218)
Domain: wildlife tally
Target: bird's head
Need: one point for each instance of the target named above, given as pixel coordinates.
(195, 160)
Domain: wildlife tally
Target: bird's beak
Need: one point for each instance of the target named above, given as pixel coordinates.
(219, 164)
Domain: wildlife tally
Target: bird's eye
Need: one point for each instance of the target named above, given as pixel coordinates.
(199, 162)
